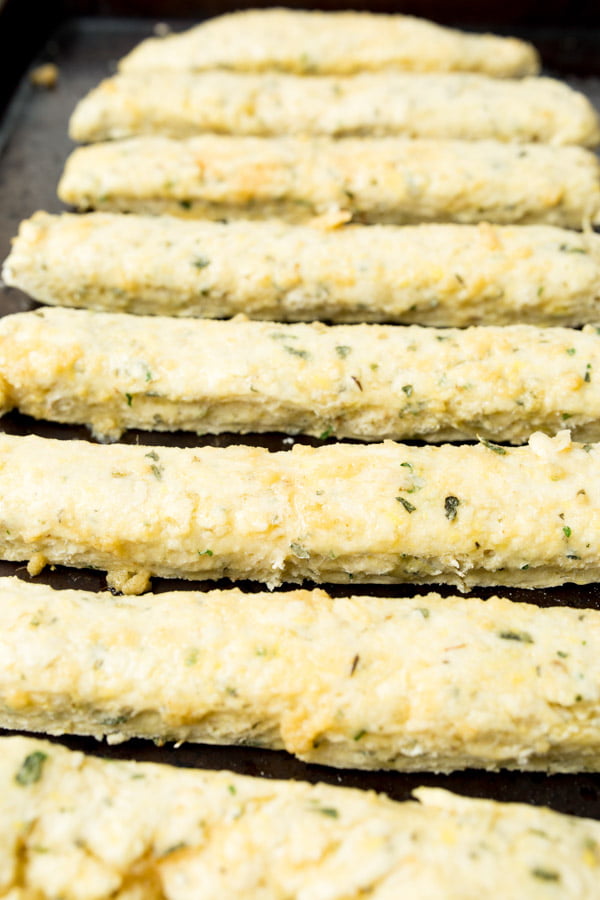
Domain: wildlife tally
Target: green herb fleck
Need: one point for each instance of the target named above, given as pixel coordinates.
(562, 654)
(567, 248)
(407, 465)
(31, 768)
(496, 448)
(408, 389)
(157, 470)
(231, 788)
(205, 553)
(191, 658)
(328, 811)
(588, 373)
(303, 354)
(406, 504)
(522, 636)
(451, 505)
(299, 551)
(565, 416)
(185, 204)
(424, 611)
(545, 874)
(343, 351)
(567, 531)
(326, 434)
(360, 734)
(571, 351)
(201, 262)
(129, 398)
(524, 567)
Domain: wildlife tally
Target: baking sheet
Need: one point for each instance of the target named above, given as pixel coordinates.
(33, 147)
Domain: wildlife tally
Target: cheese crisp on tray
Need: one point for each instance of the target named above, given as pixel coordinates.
(114, 371)
(419, 684)
(448, 275)
(382, 513)
(468, 107)
(370, 180)
(339, 43)
(141, 830)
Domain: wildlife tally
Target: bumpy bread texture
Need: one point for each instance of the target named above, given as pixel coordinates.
(84, 828)
(360, 682)
(116, 371)
(371, 180)
(467, 107)
(430, 274)
(462, 515)
(340, 43)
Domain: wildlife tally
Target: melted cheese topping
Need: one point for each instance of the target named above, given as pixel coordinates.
(468, 107)
(386, 180)
(339, 43)
(426, 683)
(461, 515)
(114, 372)
(431, 274)
(86, 829)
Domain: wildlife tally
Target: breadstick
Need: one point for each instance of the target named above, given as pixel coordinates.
(370, 180)
(466, 107)
(153, 831)
(115, 371)
(429, 274)
(361, 682)
(340, 43)
(385, 513)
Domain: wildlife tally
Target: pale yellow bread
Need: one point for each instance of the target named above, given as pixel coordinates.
(82, 828)
(467, 107)
(370, 382)
(339, 43)
(462, 515)
(370, 180)
(419, 684)
(450, 275)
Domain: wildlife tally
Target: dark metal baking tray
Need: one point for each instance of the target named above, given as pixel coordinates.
(33, 148)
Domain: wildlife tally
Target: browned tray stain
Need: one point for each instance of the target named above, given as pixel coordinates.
(33, 147)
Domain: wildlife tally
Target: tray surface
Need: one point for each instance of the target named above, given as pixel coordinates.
(33, 147)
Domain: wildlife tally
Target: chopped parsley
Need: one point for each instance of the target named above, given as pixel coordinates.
(31, 768)
(496, 448)
(201, 262)
(545, 874)
(451, 505)
(522, 636)
(299, 551)
(342, 351)
(408, 389)
(408, 506)
(328, 811)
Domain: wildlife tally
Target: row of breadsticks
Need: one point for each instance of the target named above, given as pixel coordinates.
(421, 683)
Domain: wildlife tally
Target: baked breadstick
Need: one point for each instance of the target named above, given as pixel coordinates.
(115, 371)
(384, 513)
(361, 682)
(145, 830)
(466, 107)
(430, 274)
(339, 43)
(370, 180)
